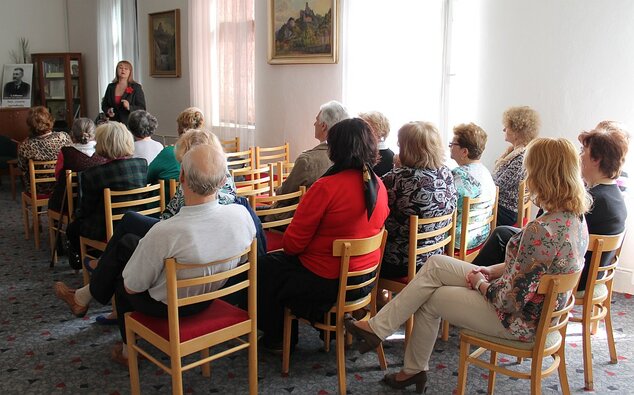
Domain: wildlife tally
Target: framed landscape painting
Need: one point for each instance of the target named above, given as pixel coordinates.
(165, 51)
(303, 31)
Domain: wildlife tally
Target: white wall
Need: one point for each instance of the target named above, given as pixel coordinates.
(571, 60)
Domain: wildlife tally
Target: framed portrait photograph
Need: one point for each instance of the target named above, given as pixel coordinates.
(165, 40)
(17, 80)
(303, 31)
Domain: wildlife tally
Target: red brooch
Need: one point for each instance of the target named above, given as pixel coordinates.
(129, 90)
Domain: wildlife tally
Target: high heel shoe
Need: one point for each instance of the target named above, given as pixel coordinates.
(369, 341)
(420, 379)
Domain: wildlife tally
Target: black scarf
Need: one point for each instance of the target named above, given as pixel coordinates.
(370, 185)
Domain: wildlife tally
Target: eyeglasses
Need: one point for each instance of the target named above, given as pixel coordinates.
(452, 144)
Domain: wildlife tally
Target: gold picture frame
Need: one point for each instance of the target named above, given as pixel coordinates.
(165, 44)
(303, 34)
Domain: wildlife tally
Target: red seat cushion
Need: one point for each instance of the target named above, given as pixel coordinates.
(273, 240)
(38, 196)
(456, 252)
(218, 315)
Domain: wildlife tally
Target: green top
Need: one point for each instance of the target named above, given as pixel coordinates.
(164, 166)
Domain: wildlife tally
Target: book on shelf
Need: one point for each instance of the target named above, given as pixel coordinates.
(55, 74)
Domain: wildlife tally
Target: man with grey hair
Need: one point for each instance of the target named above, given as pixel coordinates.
(313, 163)
(133, 270)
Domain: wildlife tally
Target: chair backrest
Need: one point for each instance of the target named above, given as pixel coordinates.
(599, 245)
(72, 191)
(283, 170)
(173, 185)
(477, 213)
(524, 205)
(262, 207)
(251, 181)
(172, 267)
(231, 145)
(147, 200)
(165, 139)
(442, 236)
(347, 248)
(266, 155)
(41, 172)
(241, 159)
(553, 317)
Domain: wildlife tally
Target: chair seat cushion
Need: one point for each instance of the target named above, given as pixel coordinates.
(218, 315)
(552, 339)
(38, 196)
(273, 240)
(600, 291)
(456, 252)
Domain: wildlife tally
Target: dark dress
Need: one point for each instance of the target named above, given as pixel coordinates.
(133, 94)
(386, 162)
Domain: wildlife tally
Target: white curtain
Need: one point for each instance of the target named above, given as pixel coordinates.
(222, 46)
(130, 37)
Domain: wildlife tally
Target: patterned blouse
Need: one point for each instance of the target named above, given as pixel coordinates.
(554, 243)
(44, 147)
(423, 192)
(472, 180)
(508, 173)
(226, 195)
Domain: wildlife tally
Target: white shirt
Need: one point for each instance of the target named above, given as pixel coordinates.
(147, 149)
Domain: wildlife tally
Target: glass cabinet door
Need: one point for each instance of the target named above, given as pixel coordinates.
(54, 85)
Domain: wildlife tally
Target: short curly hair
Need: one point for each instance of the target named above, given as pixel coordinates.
(142, 124)
(40, 121)
(420, 146)
(472, 137)
(83, 130)
(378, 122)
(523, 121)
(190, 118)
(608, 143)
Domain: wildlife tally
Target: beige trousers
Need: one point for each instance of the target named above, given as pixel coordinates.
(439, 290)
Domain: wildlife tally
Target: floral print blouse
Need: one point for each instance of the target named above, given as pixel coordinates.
(423, 192)
(472, 180)
(554, 243)
(508, 173)
(226, 195)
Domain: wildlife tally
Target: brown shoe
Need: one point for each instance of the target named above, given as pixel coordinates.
(116, 354)
(68, 296)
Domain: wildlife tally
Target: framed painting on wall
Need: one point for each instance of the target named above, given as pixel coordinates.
(165, 51)
(303, 31)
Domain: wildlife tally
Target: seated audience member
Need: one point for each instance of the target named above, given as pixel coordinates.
(133, 271)
(165, 166)
(500, 300)
(313, 163)
(471, 178)
(77, 157)
(603, 154)
(420, 185)
(42, 145)
(348, 201)
(381, 127)
(521, 125)
(142, 124)
(120, 173)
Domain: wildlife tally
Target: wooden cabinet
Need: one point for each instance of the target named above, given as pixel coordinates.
(13, 123)
(59, 85)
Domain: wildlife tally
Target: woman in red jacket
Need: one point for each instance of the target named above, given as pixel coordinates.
(348, 201)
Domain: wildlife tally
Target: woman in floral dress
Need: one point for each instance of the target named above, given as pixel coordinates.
(500, 300)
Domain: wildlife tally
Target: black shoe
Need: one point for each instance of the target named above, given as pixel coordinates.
(420, 379)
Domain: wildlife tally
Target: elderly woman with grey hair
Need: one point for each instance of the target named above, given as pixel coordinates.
(142, 124)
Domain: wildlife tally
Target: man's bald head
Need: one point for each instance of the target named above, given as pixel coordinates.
(203, 169)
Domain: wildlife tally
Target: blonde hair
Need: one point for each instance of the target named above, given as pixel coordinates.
(523, 121)
(378, 122)
(192, 138)
(420, 146)
(472, 137)
(554, 176)
(114, 140)
(190, 118)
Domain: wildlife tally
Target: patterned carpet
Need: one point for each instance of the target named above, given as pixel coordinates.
(44, 350)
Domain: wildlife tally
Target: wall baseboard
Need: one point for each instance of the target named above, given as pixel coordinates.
(624, 280)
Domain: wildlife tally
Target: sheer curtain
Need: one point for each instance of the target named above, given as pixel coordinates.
(393, 60)
(222, 47)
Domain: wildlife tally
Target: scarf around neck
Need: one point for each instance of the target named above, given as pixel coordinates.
(370, 184)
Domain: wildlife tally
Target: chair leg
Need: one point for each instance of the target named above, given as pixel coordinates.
(206, 367)
(494, 361)
(133, 362)
(177, 375)
(341, 357)
(608, 330)
(36, 226)
(82, 256)
(563, 375)
(445, 330)
(462, 367)
(327, 333)
(25, 217)
(594, 324)
(51, 239)
(587, 352)
(253, 360)
(536, 377)
(286, 344)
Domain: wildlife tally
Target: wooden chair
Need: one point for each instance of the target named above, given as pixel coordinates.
(262, 207)
(116, 204)
(173, 186)
(65, 215)
(179, 337)
(231, 145)
(550, 340)
(524, 205)
(476, 213)
(254, 181)
(241, 159)
(416, 234)
(40, 172)
(344, 248)
(596, 304)
(283, 170)
(266, 155)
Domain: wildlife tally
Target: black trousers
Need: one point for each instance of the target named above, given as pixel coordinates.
(494, 250)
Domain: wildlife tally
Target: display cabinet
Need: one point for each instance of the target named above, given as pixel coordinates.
(59, 86)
